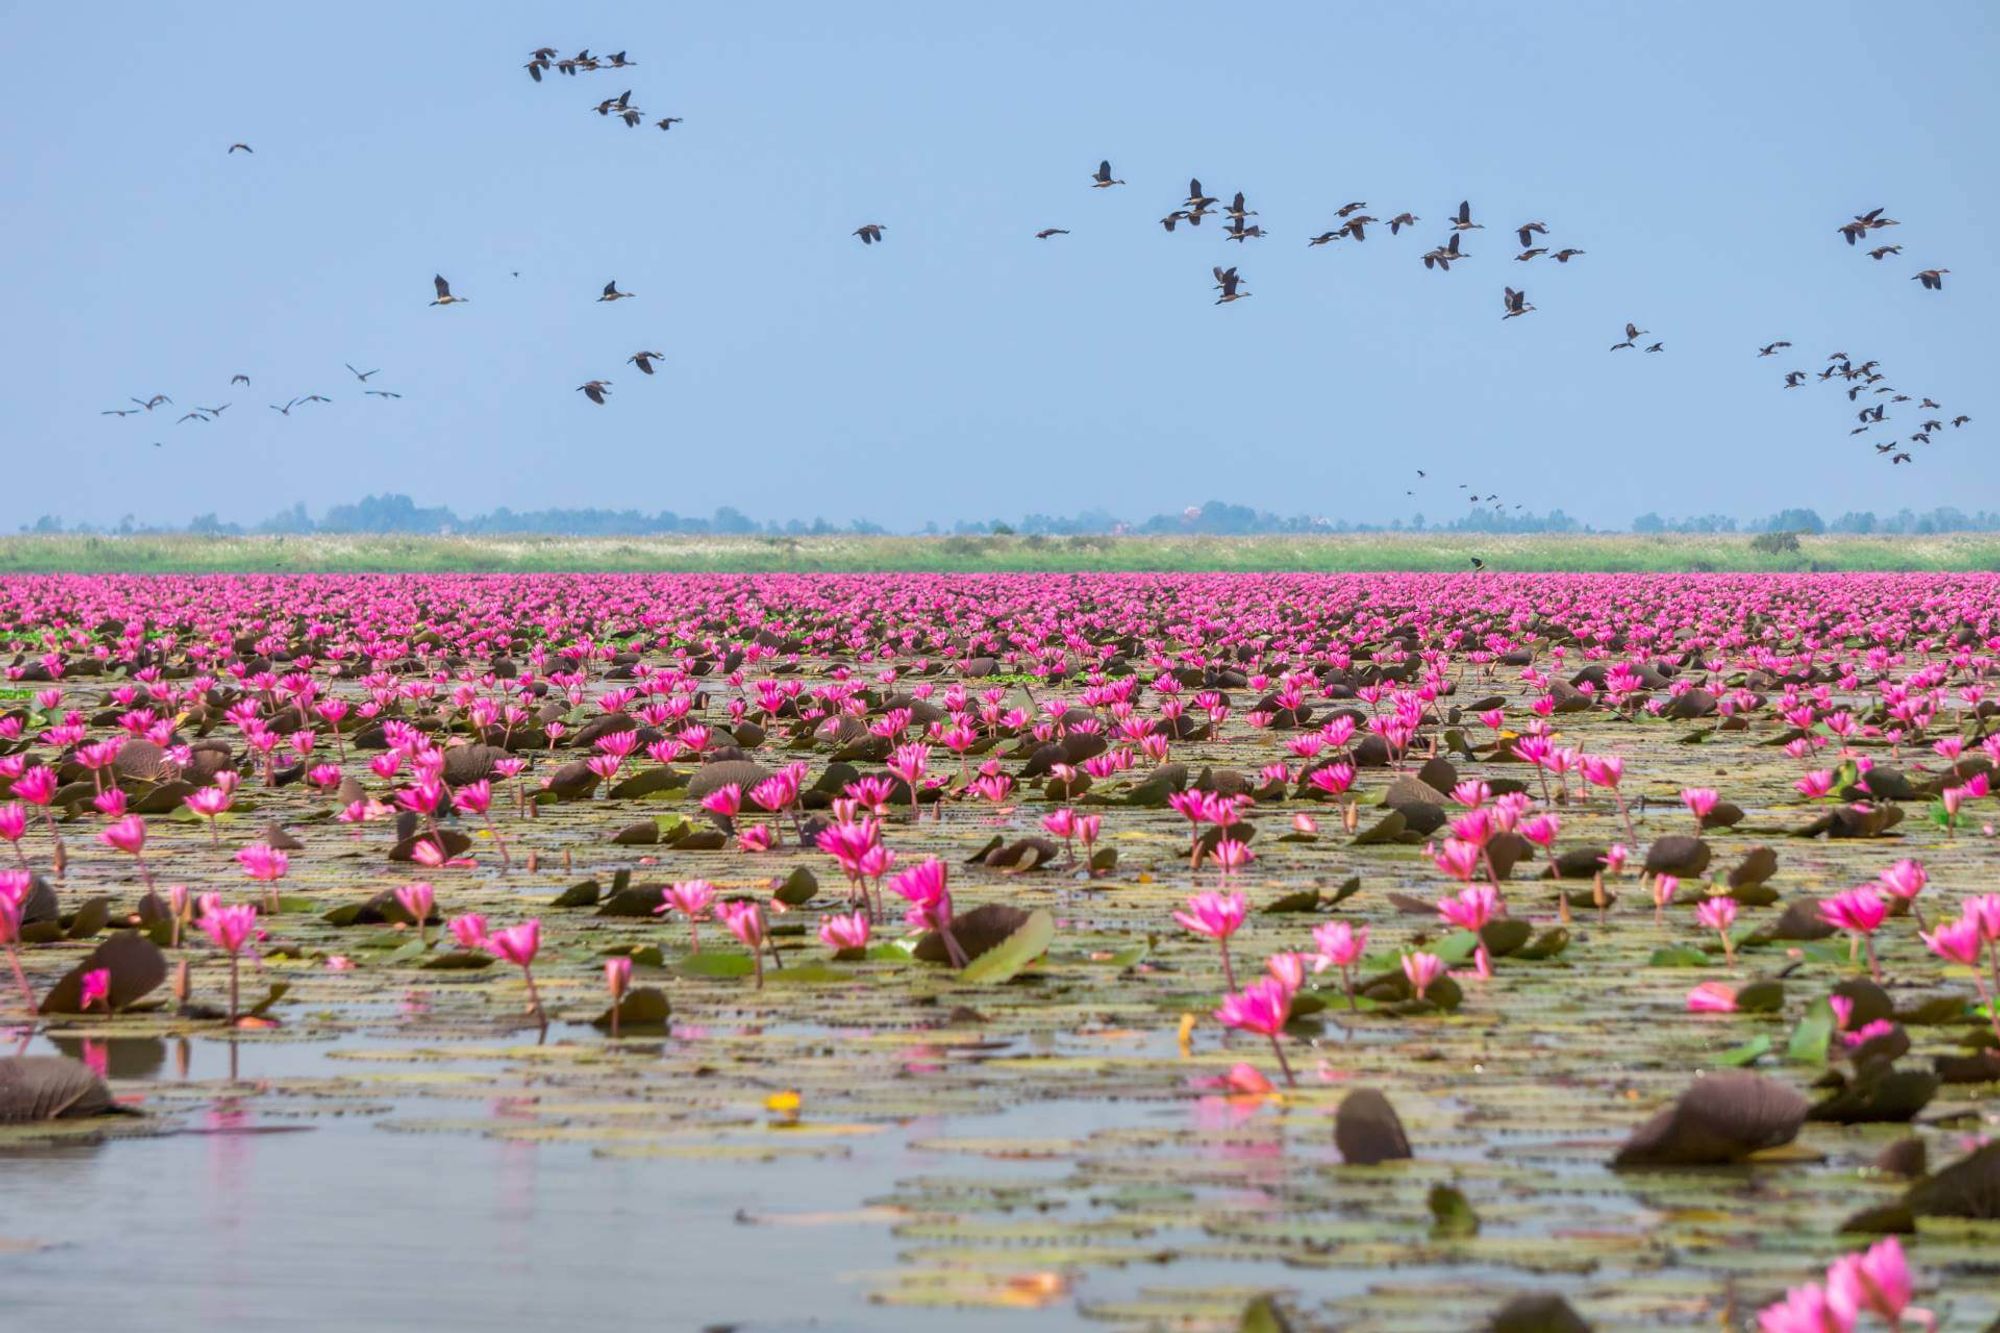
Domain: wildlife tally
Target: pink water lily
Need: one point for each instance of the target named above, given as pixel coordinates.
(1264, 1007)
(518, 945)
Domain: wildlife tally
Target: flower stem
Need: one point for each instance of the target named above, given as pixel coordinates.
(1283, 1064)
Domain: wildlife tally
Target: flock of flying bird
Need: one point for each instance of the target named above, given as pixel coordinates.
(209, 414)
(1353, 222)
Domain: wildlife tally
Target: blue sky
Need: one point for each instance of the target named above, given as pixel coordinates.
(1703, 155)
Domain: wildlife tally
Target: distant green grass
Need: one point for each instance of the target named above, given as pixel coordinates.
(1399, 551)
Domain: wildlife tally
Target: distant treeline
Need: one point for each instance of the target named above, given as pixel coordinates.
(385, 515)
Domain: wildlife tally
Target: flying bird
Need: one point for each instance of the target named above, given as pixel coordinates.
(1884, 251)
(1931, 278)
(239, 379)
(1477, 563)
(1402, 220)
(1632, 332)
(611, 292)
(120, 412)
(444, 296)
(1864, 223)
(150, 403)
(1526, 255)
(1196, 200)
(594, 390)
(1771, 349)
(645, 360)
(1047, 232)
(1236, 209)
(1517, 303)
(1441, 257)
(1564, 256)
(1527, 231)
(215, 411)
(244, 146)
(1226, 281)
(381, 393)
(1101, 179)
(1656, 347)
(361, 375)
(668, 122)
(1464, 222)
(869, 232)
(286, 410)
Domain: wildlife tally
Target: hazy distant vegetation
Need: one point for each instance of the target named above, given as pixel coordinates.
(386, 515)
(343, 553)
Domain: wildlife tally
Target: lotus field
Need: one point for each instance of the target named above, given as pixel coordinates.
(1204, 952)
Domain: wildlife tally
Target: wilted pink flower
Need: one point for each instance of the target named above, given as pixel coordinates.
(1712, 997)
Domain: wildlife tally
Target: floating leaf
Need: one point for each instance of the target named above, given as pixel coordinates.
(1005, 961)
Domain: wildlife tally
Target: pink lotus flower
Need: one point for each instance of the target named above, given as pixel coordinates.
(1877, 1281)
(745, 921)
(1288, 968)
(1264, 1006)
(844, 933)
(263, 863)
(925, 888)
(1232, 854)
(418, 901)
(1701, 802)
(692, 898)
(1664, 889)
(1422, 971)
(1860, 912)
(1718, 913)
(231, 929)
(1957, 941)
(1805, 1309)
(1712, 997)
(96, 990)
(469, 931)
(1218, 916)
(519, 945)
(1541, 830)
(617, 980)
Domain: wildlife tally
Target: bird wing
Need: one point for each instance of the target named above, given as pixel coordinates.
(443, 287)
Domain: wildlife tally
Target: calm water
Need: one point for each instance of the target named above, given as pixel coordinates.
(337, 1224)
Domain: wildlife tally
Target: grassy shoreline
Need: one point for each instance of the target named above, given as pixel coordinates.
(1608, 553)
